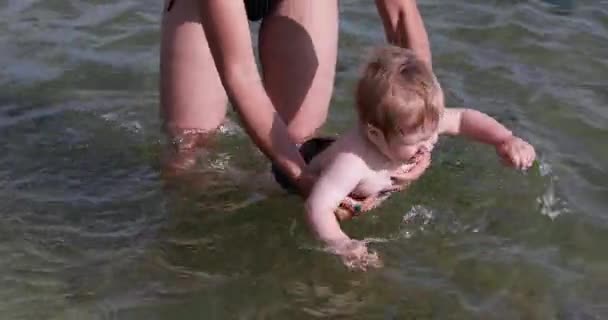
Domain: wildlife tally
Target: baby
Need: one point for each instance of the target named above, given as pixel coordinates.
(401, 113)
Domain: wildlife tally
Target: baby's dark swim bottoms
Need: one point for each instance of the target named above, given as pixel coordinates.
(308, 150)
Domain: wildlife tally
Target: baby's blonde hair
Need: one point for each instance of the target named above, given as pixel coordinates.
(395, 88)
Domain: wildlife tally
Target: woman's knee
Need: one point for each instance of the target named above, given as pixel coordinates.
(303, 128)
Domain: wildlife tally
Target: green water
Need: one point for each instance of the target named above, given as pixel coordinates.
(89, 230)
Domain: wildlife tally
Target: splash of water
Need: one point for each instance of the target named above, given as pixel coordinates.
(419, 213)
(550, 205)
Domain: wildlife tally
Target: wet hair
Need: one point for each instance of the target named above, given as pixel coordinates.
(397, 92)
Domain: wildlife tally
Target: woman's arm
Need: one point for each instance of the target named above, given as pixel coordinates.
(404, 26)
(227, 29)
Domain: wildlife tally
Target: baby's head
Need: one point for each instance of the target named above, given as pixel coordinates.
(399, 102)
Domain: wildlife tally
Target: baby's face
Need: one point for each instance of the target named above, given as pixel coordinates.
(409, 145)
(406, 147)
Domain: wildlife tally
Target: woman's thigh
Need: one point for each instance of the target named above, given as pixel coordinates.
(298, 45)
(192, 95)
(193, 100)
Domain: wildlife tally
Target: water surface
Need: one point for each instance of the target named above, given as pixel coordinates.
(88, 229)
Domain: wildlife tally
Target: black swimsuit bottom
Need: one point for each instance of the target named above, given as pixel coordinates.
(256, 9)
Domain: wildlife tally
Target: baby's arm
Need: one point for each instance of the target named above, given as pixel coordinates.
(483, 128)
(475, 125)
(337, 181)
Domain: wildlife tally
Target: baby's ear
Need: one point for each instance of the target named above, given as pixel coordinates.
(372, 131)
(375, 135)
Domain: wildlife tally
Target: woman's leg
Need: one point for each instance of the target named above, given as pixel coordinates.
(193, 100)
(298, 49)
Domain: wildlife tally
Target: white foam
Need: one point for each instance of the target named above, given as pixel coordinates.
(550, 205)
(419, 211)
(230, 128)
(222, 162)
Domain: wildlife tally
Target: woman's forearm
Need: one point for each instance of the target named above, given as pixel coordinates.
(404, 26)
(263, 124)
(228, 35)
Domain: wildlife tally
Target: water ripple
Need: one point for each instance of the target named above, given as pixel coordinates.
(88, 229)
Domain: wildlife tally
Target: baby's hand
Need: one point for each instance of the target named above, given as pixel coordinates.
(355, 255)
(516, 153)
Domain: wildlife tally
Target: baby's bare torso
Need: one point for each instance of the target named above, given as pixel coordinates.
(378, 170)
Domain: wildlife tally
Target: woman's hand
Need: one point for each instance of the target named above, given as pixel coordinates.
(305, 183)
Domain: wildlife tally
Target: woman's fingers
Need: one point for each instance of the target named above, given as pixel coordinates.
(305, 183)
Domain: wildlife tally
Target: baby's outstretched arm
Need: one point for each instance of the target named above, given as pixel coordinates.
(483, 128)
